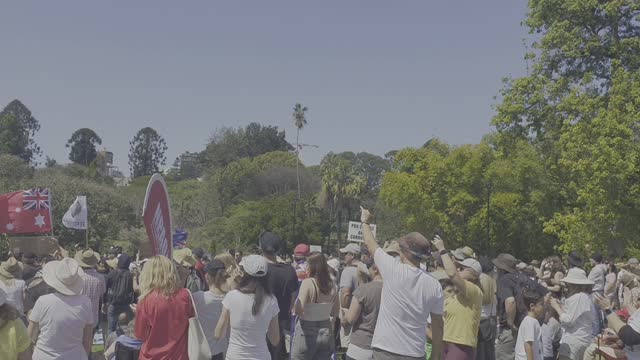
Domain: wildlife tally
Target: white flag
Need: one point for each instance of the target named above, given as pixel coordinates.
(76, 216)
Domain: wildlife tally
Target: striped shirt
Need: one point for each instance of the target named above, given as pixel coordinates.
(94, 287)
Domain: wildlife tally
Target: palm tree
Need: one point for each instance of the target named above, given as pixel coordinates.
(299, 120)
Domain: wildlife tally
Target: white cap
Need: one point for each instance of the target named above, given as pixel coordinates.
(351, 248)
(254, 265)
(472, 264)
(334, 264)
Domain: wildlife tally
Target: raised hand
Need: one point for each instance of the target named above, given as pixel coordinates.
(365, 215)
(438, 243)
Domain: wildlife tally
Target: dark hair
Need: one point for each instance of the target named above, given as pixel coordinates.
(8, 313)
(531, 297)
(258, 286)
(47, 258)
(319, 270)
(445, 282)
(612, 268)
(217, 273)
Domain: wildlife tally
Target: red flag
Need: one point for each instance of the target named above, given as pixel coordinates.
(25, 212)
(156, 214)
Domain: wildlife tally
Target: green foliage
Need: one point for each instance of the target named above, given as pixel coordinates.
(18, 128)
(228, 145)
(146, 152)
(83, 146)
(12, 171)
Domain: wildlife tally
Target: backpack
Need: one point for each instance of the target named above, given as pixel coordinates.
(121, 289)
(193, 282)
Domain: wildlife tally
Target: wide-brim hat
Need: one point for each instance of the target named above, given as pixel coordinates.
(351, 248)
(11, 268)
(113, 263)
(468, 252)
(87, 258)
(184, 257)
(576, 276)
(393, 248)
(65, 276)
(506, 262)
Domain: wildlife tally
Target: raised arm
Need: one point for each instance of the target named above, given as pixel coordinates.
(449, 266)
(367, 234)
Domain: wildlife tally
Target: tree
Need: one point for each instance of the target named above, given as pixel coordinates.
(17, 130)
(300, 121)
(146, 152)
(83, 146)
(227, 145)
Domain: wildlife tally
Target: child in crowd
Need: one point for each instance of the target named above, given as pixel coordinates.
(551, 334)
(529, 342)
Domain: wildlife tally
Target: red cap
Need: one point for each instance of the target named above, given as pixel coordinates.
(301, 250)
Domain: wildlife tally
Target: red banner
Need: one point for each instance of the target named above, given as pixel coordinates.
(156, 214)
(25, 212)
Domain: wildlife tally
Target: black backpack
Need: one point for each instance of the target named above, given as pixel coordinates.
(121, 289)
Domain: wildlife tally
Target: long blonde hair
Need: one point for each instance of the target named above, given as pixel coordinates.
(158, 274)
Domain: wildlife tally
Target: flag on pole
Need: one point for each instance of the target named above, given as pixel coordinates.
(25, 212)
(76, 216)
(180, 239)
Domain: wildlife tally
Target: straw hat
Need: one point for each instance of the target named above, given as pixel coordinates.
(87, 258)
(184, 257)
(576, 276)
(11, 269)
(393, 248)
(506, 262)
(468, 252)
(65, 276)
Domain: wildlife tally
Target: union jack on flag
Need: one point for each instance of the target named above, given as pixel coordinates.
(36, 199)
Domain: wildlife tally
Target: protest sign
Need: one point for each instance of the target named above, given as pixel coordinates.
(355, 231)
(156, 215)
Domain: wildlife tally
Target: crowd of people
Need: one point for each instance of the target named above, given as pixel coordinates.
(409, 299)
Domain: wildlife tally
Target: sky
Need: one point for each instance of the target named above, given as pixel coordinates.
(376, 75)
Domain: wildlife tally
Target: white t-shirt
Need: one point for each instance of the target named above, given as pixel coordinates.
(529, 330)
(209, 308)
(15, 293)
(409, 296)
(62, 319)
(248, 340)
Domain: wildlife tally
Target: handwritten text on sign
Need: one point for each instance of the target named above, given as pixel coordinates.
(355, 231)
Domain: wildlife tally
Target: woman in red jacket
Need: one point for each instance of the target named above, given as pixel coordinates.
(163, 312)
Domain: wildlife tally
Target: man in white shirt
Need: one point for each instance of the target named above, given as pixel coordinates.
(408, 298)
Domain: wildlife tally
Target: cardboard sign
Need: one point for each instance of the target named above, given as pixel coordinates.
(315, 248)
(355, 231)
(156, 214)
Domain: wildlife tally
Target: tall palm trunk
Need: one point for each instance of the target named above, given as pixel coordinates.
(298, 160)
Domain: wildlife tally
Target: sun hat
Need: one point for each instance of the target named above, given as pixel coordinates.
(65, 276)
(472, 264)
(576, 276)
(506, 262)
(415, 244)
(352, 248)
(334, 264)
(468, 252)
(86, 258)
(458, 254)
(392, 248)
(184, 257)
(633, 261)
(521, 266)
(269, 242)
(11, 268)
(254, 265)
(301, 250)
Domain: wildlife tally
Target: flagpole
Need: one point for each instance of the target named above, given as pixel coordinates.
(86, 231)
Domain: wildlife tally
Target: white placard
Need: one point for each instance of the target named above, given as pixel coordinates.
(355, 231)
(315, 248)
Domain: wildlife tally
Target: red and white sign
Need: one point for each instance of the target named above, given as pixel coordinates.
(25, 212)
(156, 215)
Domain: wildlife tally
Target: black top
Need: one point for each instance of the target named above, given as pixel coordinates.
(510, 285)
(629, 336)
(283, 283)
(29, 271)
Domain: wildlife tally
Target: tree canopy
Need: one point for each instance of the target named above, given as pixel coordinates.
(83, 146)
(146, 152)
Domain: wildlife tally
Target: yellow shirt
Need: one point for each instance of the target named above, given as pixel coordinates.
(462, 316)
(13, 339)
